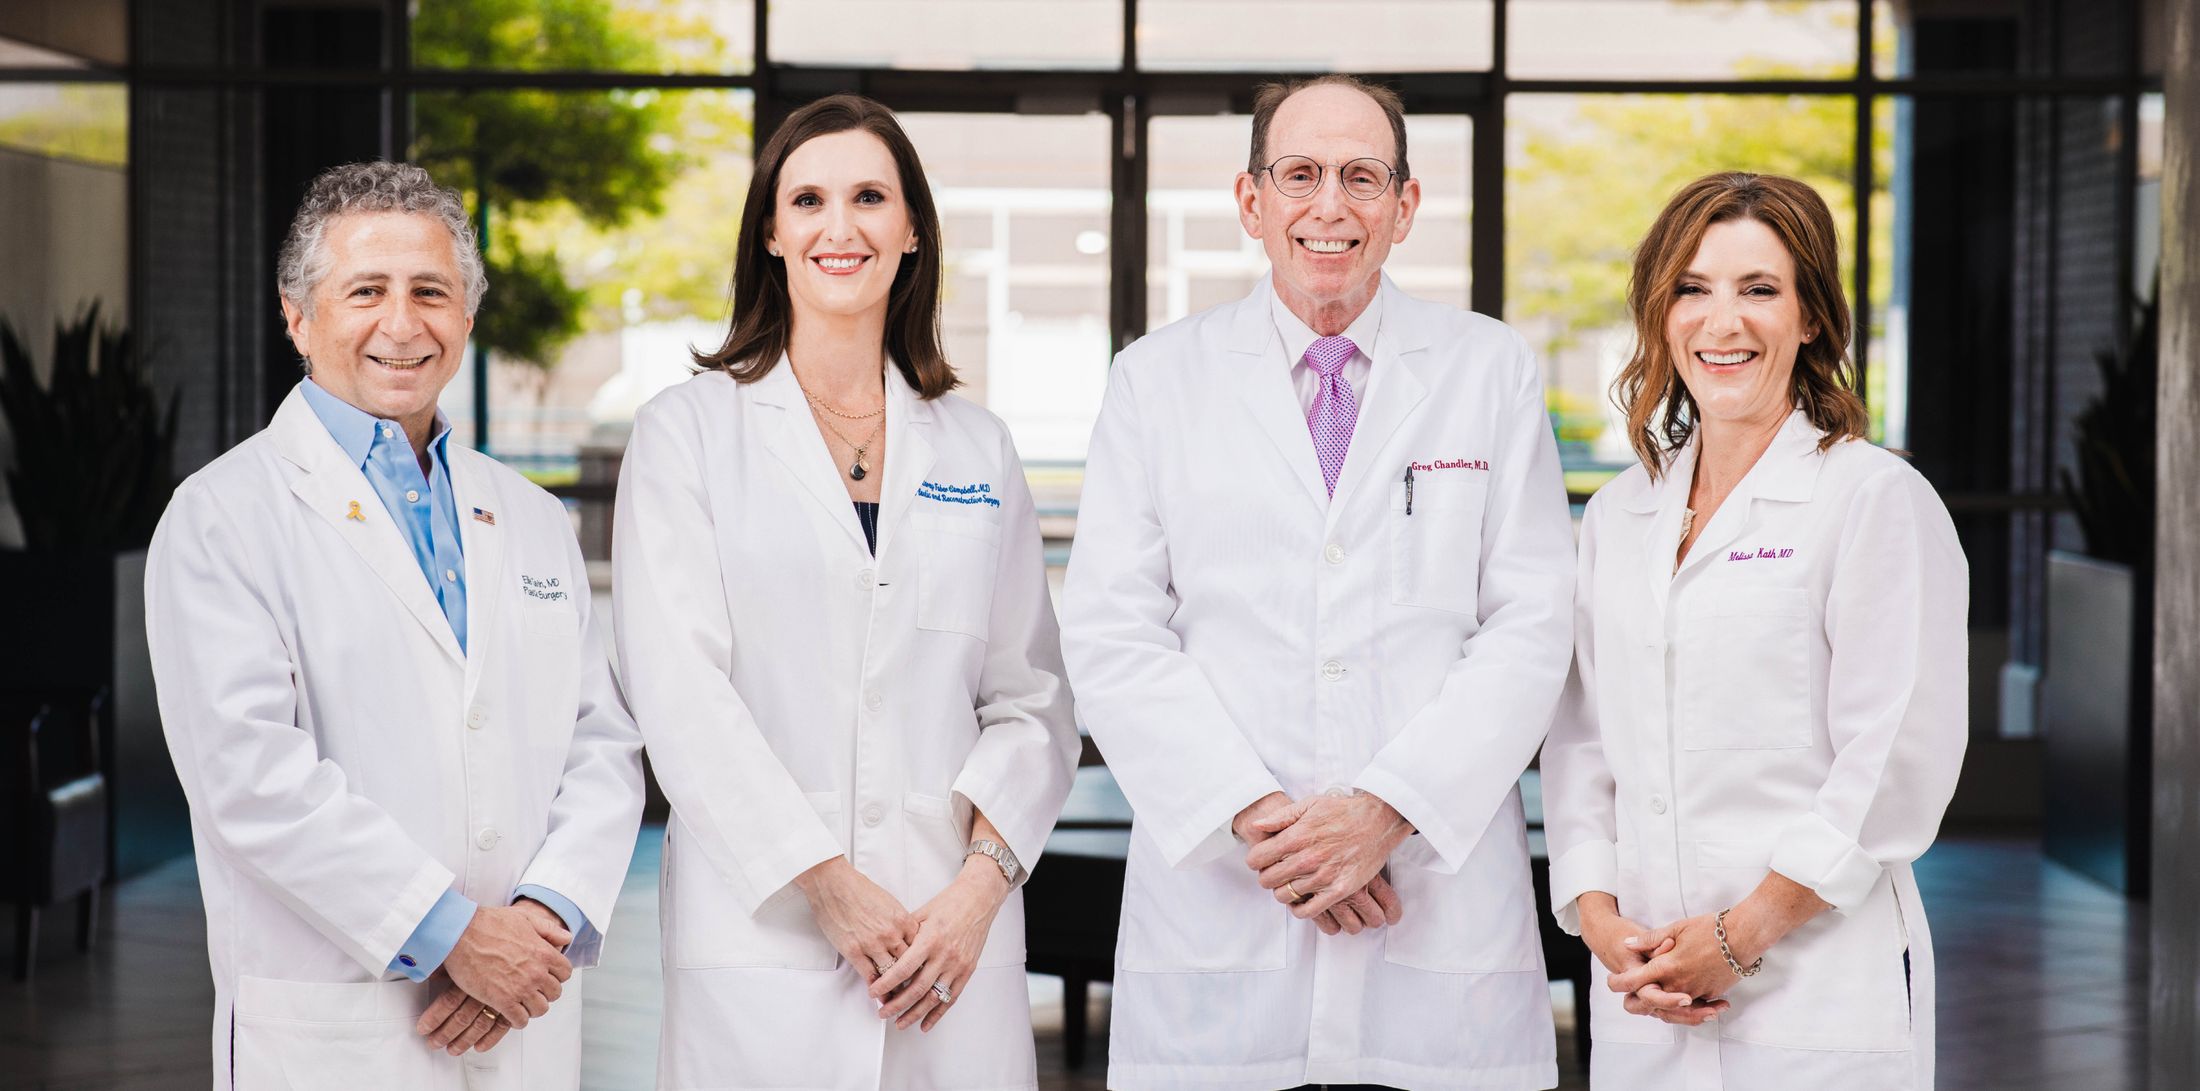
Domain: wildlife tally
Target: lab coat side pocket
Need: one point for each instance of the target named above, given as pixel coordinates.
(957, 556)
(709, 928)
(1436, 542)
(1743, 669)
(1204, 918)
(936, 841)
(1480, 920)
(321, 1034)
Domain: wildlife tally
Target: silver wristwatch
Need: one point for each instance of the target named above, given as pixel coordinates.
(999, 854)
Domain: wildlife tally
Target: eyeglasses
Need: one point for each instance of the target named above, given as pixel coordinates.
(1298, 176)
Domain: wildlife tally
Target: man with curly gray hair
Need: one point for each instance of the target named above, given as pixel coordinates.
(414, 786)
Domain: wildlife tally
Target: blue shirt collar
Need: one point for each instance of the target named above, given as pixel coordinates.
(354, 429)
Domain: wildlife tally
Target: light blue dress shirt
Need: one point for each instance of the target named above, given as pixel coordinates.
(424, 510)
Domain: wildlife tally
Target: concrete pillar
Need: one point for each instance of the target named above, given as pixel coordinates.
(2174, 1015)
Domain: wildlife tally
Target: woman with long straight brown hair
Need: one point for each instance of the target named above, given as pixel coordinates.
(1767, 711)
(834, 630)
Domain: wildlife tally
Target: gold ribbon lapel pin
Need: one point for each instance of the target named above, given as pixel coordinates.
(354, 512)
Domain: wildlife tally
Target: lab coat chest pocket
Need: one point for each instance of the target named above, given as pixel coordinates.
(1436, 540)
(957, 556)
(710, 927)
(1742, 668)
(318, 1034)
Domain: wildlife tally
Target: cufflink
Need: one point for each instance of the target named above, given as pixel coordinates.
(406, 961)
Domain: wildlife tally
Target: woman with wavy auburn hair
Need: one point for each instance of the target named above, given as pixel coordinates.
(1768, 706)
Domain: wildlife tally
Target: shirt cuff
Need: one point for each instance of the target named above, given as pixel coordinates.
(431, 942)
(1812, 852)
(571, 914)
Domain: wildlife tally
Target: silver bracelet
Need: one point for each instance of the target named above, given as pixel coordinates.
(1718, 926)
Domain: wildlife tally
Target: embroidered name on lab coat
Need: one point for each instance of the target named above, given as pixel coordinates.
(978, 493)
(546, 589)
(1765, 553)
(1451, 464)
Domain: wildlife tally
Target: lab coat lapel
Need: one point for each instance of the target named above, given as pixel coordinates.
(1394, 392)
(1665, 503)
(1265, 384)
(909, 453)
(484, 543)
(793, 437)
(332, 487)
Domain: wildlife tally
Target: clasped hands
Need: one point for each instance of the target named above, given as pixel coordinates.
(1675, 974)
(506, 969)
(907, 958)
(1323, 856)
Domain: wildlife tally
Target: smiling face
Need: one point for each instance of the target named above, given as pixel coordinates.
(388, 321)
(840, 223)
(1736, 324)
(1327, 248)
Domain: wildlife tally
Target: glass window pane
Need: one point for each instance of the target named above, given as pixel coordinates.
(949, 34)
(652, 36)
(1315, 35)
(1025, 206)
(1680, 39)
(2011, 38)
(611, 224)
(1197, 254)
(1570, 233)
(64, 223)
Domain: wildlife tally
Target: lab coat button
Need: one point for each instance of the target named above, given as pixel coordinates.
(1332, 670)
(476, 717)
(487, 840)
(1657, 804)
(874, 701)
(866, 578)
(873, 814)
(1334, 554)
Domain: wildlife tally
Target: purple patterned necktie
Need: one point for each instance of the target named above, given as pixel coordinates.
(1335, 408)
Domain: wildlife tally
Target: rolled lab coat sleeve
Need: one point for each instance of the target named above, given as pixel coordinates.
(1019, 773)
(1580, 810)
(262, 796)
(598, 806)
(1896, 692)
(748, 815)
(1456, 760)
(1184, 765)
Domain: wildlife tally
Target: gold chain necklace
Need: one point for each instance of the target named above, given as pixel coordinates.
(861, 466)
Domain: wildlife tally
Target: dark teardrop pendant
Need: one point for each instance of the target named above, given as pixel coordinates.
(856, 472)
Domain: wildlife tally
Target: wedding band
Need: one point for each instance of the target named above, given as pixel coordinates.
(491, 1013)
(939, 989)
(1293, 887)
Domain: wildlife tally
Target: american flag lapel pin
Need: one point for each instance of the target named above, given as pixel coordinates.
(483, 515)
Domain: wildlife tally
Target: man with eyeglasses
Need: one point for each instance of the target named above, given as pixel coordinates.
(1317, 618)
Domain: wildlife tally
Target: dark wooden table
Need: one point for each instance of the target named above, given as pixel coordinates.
(1073, 904)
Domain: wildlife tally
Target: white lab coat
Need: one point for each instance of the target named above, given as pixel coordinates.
(1233, 631)
(1794, 698)
(346, 763)
(804, 700)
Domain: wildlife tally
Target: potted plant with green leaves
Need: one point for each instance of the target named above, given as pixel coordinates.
(2098, 712)
(89, 469)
